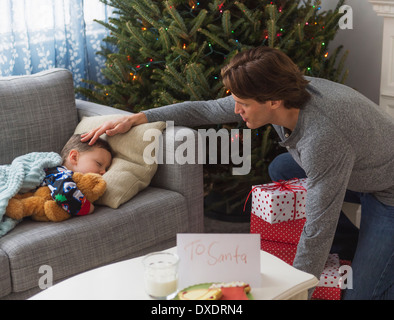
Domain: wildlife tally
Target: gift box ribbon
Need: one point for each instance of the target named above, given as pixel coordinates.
(281, 185)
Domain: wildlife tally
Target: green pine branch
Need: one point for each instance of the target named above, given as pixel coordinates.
(198, 21)
(215, 39)
(136, 34)
(175, 15)
(226, 23)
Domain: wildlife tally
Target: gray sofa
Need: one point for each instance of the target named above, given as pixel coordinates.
(39, 113)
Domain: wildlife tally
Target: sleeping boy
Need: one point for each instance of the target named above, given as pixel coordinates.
(77, 157)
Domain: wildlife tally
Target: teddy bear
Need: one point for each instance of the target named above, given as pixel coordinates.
(40, 206)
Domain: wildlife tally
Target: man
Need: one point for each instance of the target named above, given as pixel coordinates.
(338, 137)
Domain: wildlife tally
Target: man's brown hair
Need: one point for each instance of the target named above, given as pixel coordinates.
(75, 143)
(266, 74)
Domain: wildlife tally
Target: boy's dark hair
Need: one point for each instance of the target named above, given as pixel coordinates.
(266, 74)
(75, 143)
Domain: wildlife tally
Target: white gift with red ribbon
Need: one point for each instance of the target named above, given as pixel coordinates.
(280, 201)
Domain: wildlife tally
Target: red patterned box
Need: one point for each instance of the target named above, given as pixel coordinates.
(325, 293)
(329, 287)
(284, 251)
(280, 201)
(286, 232)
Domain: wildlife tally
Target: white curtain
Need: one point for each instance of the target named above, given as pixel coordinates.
(37, 35)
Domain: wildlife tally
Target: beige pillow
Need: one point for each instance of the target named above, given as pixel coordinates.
(128, 173)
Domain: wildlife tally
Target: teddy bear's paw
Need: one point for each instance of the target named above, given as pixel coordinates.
(14, 209)
(54, 212)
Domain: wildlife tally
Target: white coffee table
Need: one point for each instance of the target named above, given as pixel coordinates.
(124, 281)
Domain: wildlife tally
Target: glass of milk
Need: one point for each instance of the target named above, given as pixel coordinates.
(161, 275)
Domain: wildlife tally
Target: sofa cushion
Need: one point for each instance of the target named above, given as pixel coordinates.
(37, 113)
(81, 243)
(129, 172)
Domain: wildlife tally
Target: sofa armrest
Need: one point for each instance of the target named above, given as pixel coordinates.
(5, 277)
(186, 179)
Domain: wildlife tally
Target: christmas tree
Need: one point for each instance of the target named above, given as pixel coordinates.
(171, 51)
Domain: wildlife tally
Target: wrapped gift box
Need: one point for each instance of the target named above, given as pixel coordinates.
(330, 275)
(286, 232)
(284, 251)
(325, 293)
(280, 201)
(329, 287)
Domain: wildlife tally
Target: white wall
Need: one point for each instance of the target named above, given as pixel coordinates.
(364, 43)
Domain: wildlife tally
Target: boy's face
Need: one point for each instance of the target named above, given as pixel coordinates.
(96, 160)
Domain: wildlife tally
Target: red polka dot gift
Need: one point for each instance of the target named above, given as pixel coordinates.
(284, 251)
(331, 280)
(288, 232)
(280, 201)
(278, 215)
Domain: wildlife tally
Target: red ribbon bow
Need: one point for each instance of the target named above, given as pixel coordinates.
(281, 185)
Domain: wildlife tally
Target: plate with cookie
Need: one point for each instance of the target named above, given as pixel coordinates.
(236, 290)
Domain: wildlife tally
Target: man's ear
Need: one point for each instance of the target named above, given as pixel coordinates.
(73, 157)
(275, 104)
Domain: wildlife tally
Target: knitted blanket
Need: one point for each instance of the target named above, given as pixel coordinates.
(23, 174)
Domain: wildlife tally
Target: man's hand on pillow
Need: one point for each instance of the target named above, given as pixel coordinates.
(113, 127)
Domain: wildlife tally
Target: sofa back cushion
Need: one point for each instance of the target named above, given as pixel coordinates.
(37, 113)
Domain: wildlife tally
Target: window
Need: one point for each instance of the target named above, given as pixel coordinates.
(40, 35)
